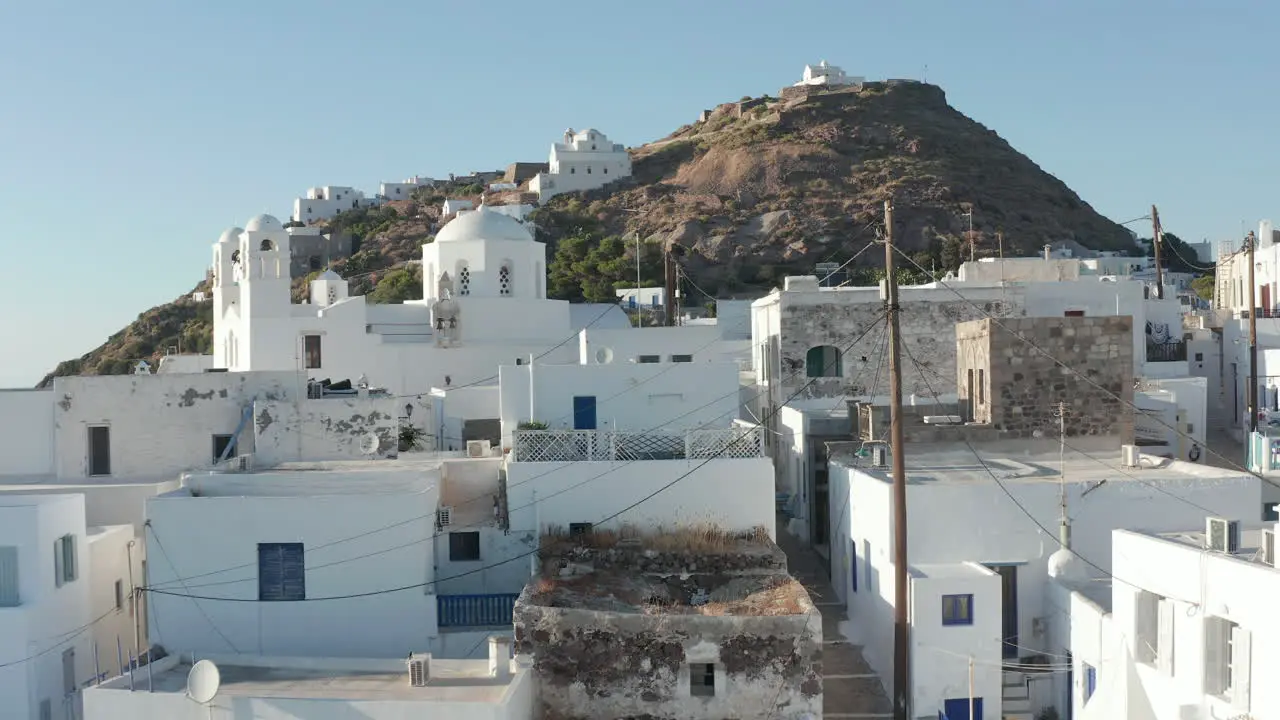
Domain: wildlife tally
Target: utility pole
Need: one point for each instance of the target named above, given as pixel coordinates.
(1064, 524)
(1251, 243)
(639, 309)
(901, 649)
(1155, 244)
(972, 240)
(1000, 245)
(669, 281)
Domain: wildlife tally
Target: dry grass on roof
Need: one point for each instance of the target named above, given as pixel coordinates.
(759, 596)
(699, 538)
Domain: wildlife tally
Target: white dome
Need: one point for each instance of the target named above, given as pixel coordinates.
(483, 224)
(231, 235)
(329, 275)
(1066, 565)
(263, 223)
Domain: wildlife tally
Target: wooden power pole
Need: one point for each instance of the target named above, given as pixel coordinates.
(901, 634)
(1155, 246)
(1251, 242)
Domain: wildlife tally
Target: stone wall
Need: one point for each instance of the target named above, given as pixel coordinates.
(308, 253)
(767, 559)
(1022, 386)
(928, 342)
(608, 666)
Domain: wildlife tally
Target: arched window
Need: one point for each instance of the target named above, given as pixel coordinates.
(464, 279)
(267, 246)
(823, 361)
(235, 256)
(504, 278)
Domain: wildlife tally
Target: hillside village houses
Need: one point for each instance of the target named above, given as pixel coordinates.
(586, 160)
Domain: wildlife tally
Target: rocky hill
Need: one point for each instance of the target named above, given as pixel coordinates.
(754, 191)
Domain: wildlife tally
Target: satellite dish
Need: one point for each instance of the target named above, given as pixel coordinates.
(203, 681)
(370, 443)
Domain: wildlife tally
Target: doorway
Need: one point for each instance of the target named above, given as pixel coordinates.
(584, 412)
(1008, 608)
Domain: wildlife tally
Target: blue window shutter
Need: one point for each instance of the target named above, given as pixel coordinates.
(281, 572)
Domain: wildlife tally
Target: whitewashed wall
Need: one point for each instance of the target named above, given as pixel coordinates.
(26, 433)
(1201, 585)
(940, 667)
(210, 534)
(658, 396)
(590, 491)
(324, 429)
(110, 550)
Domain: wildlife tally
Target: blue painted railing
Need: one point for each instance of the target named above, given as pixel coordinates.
(475, 610)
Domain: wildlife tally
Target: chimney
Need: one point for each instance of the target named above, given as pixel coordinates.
(500, 657)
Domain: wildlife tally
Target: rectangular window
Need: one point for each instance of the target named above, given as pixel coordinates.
(1090, 681)
(9, 596)
(281, 572)
(649, 359)
(311, 351)
(853, 565)
(46, 709)
(99, 450)
(64, 560)
(220, 445)
(982, 393)
(1073, 313)
(681, 358)
(1146, 626)
(702, 679)
(464, 546)
(119, 594)
(1164, 637)
(957, 609)
(1270, 512)
(1200, 357)
(69, 671)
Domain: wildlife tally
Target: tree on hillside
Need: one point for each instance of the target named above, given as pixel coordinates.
(589, 268)
(1203, 287)
(397, 286)
(1176, 255)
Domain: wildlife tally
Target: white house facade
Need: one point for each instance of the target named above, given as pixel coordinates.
(322, 203)
(585, 160)
(823, 74)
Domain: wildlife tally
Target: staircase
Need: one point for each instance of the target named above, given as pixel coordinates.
(1015, 697)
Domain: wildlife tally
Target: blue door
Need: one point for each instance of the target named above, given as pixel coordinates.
(958, 709)
(584, 412)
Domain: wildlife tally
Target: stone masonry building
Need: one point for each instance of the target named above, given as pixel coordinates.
(1016, 386)
(669, 628)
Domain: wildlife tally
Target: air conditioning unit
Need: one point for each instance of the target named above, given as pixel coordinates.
(1130, 456)
(1222, 535)
(477, 448)
(444, 516)
(419, 669)
(1268, 549)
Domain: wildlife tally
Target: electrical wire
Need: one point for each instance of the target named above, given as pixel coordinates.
(165, 553)
(520, 556)
(1082, 376)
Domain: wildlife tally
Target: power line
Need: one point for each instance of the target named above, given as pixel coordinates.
(414, 586)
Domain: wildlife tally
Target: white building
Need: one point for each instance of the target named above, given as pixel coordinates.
(496, 688)
(452, 206)
(830, 75)
(484, 304)
(979, 584)
(402, 190)
(585, 160)
(322, 203)
(650, 297)
(1194, 640)
(66, 603)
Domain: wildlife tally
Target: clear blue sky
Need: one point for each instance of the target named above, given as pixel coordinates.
(132, 134)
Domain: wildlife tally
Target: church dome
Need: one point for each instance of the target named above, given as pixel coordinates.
(329, 275)
(231, 235)
(483, 224)
(263, 223)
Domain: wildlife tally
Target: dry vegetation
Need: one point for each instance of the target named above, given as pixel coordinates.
(699, 539)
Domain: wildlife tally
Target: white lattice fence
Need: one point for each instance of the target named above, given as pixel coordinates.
(737, 442)
(554, 445)
(648, 446)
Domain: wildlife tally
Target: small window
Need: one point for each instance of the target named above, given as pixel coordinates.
(588, 170)
(957, 609)
(702, 679)
(1270, 513)
(69, 671)
(572, 170)
(267, 246)
(64, 560)
(119, 594)
(1073, 313)
(313, 262)
(311, 351)
(982, 394)
(853, 565)
(606, 171)
(1200, 357)
(281, 572)
(220, 445)
(46, 709)
(1090, 681)
(649, 358)
(464, 546)
(682, 358)
(823, 361)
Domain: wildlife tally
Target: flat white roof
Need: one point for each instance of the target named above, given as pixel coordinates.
(332, 679)
(1250, 549)
(1029, 461)
(949, 570)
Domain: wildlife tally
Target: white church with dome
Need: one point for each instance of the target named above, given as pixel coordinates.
(484, 305)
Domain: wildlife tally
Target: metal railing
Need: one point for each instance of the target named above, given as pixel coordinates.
(1167, 352)
(609, 446)
(454, 611)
